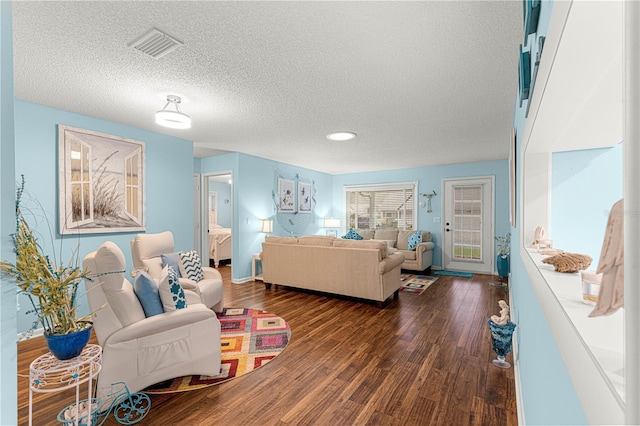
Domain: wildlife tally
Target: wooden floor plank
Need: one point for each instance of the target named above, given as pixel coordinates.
(420, 360)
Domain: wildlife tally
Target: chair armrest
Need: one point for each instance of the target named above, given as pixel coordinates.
(163, 322)
(191, 291)
(209, 272)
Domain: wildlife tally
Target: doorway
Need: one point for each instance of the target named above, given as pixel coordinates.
(216, 211)
(468, 242)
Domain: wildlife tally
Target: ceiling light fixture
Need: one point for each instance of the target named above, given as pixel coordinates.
(341, 136)
(173, 119)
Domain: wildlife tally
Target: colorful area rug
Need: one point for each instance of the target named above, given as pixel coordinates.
(454, 273)
(416, 284)
(250, 339)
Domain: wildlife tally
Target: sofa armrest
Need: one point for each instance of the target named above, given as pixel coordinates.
(390, 262)
(161, 323)
(422, 247)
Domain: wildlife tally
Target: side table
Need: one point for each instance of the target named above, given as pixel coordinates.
(255, 258)
(49, 374)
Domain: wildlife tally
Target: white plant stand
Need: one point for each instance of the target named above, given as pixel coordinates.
(48, 374)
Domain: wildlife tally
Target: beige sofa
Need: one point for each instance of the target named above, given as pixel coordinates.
(360, 269)
(417, 259)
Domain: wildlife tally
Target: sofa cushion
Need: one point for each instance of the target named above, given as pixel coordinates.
(171, 292)
(409, 254)
(280, 240)
(386, 234)
(403, 240)
(316, 240)
(352, 235)
(190, 265)
(381, 246)
(172, 259)
(413, 240)
(390, 243)
(367, 234)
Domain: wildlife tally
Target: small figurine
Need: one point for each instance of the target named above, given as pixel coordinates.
(539, 234)
(504, 314)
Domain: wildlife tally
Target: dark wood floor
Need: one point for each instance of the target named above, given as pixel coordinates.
(420, 360)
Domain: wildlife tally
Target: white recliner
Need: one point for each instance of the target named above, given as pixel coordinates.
(143, 351)
(146, 251)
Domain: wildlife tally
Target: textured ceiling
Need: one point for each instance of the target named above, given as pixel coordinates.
(421, 83)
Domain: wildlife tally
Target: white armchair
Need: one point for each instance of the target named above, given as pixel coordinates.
(143, 351)
(146, 251)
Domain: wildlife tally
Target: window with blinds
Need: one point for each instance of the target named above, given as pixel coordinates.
(381, 206)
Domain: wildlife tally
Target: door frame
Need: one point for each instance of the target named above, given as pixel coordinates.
(491, 215)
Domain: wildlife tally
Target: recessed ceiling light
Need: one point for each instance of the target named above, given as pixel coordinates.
(341, 136)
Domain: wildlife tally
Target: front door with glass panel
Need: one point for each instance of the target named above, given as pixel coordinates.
(468, 225)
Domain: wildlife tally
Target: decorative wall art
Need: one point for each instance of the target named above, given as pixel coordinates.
(286, 195)
(512, 179)
(304, 197)
(536, 65)
(524, 75)
(291, 197)
(101, 182)
(531, 15)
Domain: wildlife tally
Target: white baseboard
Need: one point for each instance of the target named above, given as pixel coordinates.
(26, 336)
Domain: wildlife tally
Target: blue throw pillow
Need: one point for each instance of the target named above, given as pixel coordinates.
(352, 235)
(173, 260)
(414, 240)
(147, 292)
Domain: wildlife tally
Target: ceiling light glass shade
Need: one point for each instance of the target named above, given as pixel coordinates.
(173, 119)
(266, 226)
(330, 222)
(341, 136)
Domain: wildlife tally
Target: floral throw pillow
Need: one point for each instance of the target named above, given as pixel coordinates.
(171, 292)
(352, 235)
(414, 240)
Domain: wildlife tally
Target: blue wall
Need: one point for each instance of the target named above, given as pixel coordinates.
(8, 317)
(430, 178)
(169, 184)
(253, 183)
(582, 182)
(547, 391)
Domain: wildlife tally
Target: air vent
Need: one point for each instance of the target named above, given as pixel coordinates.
(155, 43)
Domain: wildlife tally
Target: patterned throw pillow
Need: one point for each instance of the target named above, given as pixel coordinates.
(171, 292)
(352, 235)
(148, 294)
(414, 240)
(190, 265)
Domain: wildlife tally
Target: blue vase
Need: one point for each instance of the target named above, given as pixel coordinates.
(67, 346)
(502, 264)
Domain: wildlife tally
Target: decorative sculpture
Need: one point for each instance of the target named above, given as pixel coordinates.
(611, 264)
(504, 314)
(501, 334)
(128, 408)
(568, 262)
(539, 234)
(429, 197)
